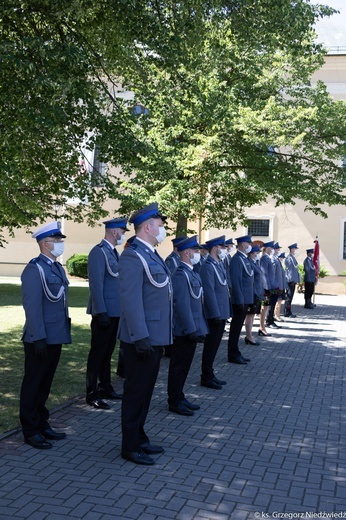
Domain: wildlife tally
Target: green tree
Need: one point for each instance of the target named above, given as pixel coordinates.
(232, 115)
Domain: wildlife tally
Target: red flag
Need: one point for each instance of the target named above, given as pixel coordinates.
(316, 259)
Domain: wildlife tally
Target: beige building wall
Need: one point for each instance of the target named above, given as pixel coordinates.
(288, 224)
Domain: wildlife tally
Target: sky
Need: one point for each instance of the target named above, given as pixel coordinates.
(332, 31)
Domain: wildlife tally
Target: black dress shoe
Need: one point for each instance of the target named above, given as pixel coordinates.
(150, 449)
(111, 395)
(98, 404)
(180, 409)
(50, 434)
(249, 342)
(273, 325)
(189, 405)
(219, 381)
(261, 333)
(38, 441)
(211, 384)
(138, 457)
(245, 359)
(239, 360)
(290, 315)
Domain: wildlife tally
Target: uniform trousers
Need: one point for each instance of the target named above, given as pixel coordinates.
(36, 385)
(289, 297)
(102, 346)
(138, 389)
(181, 358)
(235, 330)
(309, 291)
(272, 302)
(211, 346)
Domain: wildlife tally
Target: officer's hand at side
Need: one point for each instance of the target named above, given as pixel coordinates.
(103, 320)
(40, 347)
(192, 337)
(239, 308)
(143, 348)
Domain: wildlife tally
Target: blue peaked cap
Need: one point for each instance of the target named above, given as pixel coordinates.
(229, 242)
(175, 241)
(189, 243)
(218, 241)
(150, 211)
(293, 246)
(269, 244)
(116, 223)
(245, 238)
(255, 249)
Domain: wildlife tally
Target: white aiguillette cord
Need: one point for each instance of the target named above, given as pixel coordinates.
(148, 273)
(195, 296)
(112, 273)
(49, 295)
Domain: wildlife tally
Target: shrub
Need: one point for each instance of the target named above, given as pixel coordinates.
(323, 272)
(77, 265)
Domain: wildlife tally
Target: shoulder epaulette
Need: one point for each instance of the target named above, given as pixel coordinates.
(34, 260)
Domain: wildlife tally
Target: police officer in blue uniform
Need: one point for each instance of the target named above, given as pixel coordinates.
(189, 324)
(242, 296)
(104, 307)
(173, 259)
(217, 308)
(292, 277)
(258, 289)
(172, 262)
(204, 253)
(145, 328)
(229, 244)
(310, 279)
(47, 327)
(277, 285)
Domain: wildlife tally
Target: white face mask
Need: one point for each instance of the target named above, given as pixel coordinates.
(162, 234)
(222, 255)
(58, 249)
(195, 259)
(120, 240)
(230, 250)
(248, 249)
(258, 256)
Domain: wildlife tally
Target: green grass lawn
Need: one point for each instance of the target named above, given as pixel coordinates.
(69, 379)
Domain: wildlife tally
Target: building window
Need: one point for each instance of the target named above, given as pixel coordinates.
(258, 227)
(98, 170)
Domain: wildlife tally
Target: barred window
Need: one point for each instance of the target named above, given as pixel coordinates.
(99, 169)
(258, 227)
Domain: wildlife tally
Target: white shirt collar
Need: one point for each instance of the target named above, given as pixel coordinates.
(188, 265)
(152, 248)
(110, 245)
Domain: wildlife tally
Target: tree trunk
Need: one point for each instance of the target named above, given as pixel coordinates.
(181, 228)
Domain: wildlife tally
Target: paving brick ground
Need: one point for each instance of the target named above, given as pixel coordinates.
(270, 444)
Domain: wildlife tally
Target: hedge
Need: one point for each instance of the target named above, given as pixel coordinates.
(77, 265)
